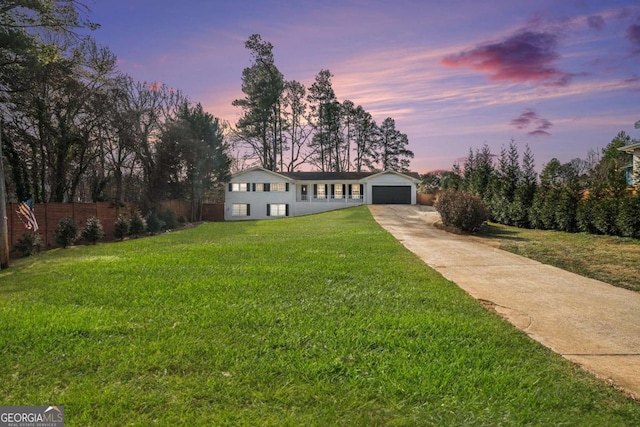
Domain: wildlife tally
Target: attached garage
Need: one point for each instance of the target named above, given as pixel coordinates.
(391, 194)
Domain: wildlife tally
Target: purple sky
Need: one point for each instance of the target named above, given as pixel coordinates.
(562, 76)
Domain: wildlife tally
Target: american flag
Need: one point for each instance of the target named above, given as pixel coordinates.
(25, 210)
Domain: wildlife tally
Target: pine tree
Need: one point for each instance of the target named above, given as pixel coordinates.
(263, 84)
(525, 191)
(393, 153)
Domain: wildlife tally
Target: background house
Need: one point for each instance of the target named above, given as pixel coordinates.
(633, 170)
(258, 193)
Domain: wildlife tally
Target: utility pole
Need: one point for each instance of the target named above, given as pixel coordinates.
(4, 230)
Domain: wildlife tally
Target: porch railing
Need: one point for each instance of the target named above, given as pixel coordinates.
(331, 199)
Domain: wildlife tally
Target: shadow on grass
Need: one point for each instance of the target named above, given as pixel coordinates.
(493, 232)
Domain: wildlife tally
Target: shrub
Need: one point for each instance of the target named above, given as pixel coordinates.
(566, 207)
(29, 243)
(169, 218)
(461, 210)
(137, 224)
(121, 227)
(67, 232)
(584, 215)
(628, 219)
(154, 223)
(604, 216)
(519, 213)
(93, 231)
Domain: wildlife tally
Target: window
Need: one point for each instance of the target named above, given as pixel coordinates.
(279, 209)
(337, 191)
(355, 191)
(259, 186)
(238, 186)
(240, 209)
(321, 192)
(279, 186)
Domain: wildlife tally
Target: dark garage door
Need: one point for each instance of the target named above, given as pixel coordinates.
(391, 195)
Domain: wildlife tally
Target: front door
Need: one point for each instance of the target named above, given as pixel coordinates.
(303, 192)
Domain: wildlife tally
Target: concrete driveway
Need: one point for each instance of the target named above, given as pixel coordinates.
(589, 322)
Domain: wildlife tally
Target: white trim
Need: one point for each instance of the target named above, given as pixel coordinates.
(400, 174)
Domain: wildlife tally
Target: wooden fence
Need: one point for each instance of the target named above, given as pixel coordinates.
(49, 214)
(426, 199)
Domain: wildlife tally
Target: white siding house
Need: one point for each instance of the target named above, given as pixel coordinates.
(258, 193)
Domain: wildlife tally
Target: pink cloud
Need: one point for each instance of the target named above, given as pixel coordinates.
(539, 132)
(528, 56)
(530, 118)
(524, 119)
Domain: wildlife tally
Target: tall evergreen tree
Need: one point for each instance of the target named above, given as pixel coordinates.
(542, 214)
(525, 190)
(392, 153)
(480, 175)
(260, 127)
(503, 184)
(367, 136)
(327, 142)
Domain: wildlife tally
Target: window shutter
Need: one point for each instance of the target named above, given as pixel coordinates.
(344, 189)
(349, 188)
(248, 209)
(286, 209)
(253, 186)
(267, 186)
(361, 190)
(315, 190)
(230, 187)
(268, 209)
(248, 187)
(286, 186)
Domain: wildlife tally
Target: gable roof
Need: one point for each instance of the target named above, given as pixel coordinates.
(414, 175)
(261, 169)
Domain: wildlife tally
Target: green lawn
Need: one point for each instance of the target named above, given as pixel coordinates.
(611, 259)
(319, 320)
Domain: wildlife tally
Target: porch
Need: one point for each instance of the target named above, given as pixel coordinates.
(347, 199)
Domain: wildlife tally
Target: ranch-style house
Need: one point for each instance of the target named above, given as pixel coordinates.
(258, 193)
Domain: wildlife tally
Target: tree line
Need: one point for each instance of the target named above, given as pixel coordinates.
(588, 195)
(285, 126)
(75, 128)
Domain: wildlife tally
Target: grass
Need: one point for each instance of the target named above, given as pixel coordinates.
(319, 320)
(611, 259)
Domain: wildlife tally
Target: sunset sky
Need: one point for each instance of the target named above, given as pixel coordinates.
(562, 76)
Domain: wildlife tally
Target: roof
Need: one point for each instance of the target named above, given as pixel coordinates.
(329, 176)
(341, 176)
(630, 147)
